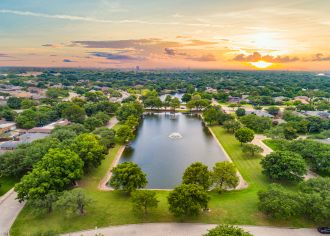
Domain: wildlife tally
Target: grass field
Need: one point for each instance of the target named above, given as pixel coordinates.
(114, 208)
(6, 183)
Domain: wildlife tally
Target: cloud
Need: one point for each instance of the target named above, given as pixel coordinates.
(320, 57)
(111, 56)
(256, 56)
(67, 60)
(170, 51)
(203, 58)
(4, 55)
(128, 43)
(49, 45)
(97, 20)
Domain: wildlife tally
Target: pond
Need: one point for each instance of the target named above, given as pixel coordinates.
(165, 146)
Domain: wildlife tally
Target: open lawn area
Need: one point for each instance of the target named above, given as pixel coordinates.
(114, 207)
(6, 183)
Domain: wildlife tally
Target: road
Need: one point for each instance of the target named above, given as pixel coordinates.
(187, 229)
(9, 209)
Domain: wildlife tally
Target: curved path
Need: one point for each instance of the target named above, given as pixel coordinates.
(10, 207)
(258, 140)
(187, 229)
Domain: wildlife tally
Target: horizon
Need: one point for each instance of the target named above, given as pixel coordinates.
(185, 35)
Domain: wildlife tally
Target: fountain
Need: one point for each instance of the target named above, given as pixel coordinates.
(175, 135)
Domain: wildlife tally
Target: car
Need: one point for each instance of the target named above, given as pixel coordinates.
(324, 230)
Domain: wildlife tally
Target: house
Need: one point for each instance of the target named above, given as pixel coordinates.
(24, 138)
(7, 126)
(261, 113)
(47, 129)
(302, 99)
(321, 114)
(280, 99)
(211, 90)
(234, 99)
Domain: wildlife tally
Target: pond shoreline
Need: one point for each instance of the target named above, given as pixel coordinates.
(103, 184)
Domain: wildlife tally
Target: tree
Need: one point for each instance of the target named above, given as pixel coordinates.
(129, 109)
(279, 203)
(240, 112)
(107, 136)
(273, 110)
(284, 165)
(224, 176)
(124, 134)
(316, 194)
(152, 102)
(92, 123)
(187, 200)
(74, 113)
(244, 135)
(95, 96)
(256, 123)
(251, 149)
(132, 122)
(144, 199)
(128, 176)
(232, 125)
(57, 170)
(197, 173)
(102, 116)
(290, 133)
(89, 149)
(175, 103)
(74, 201)
(186, 97)
(27, 119)
(14, 102)
(45, 204)
(227, 230)
(211, 115)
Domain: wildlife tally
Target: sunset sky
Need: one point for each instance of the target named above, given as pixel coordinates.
(214, 34)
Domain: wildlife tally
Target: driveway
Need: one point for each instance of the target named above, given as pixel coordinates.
(187, 229)
(9, 209)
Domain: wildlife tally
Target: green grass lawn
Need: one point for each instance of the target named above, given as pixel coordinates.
(114, 208)
(6, 183)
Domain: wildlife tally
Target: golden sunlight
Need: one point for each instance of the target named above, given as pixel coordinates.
(261, 64)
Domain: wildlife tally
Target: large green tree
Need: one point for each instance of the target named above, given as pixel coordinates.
(224, 175)
(74, 201)
(284, 165)
(197, 173)
(89, 149)
(128, 176)
(187, 200)
(279, 203)
(57, 170)
(142, 200)
(244, 135)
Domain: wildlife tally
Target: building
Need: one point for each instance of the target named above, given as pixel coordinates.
(47, 129)
(24, 138)
(6, 127)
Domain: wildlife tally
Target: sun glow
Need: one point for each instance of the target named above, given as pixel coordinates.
(261, 64)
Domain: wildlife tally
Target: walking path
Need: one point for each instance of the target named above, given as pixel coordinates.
(103, 183)
(187, 229)
(242, 183)
(112, 122)
(9, 209)
(258, 140)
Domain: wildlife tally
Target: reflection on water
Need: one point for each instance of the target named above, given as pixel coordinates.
(163, 159)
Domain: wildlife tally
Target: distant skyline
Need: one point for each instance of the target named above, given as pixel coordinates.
(160, 34)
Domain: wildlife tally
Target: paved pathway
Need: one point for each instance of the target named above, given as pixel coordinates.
(187, 229)
(9, 209)
(112, 122)
(258, 140)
